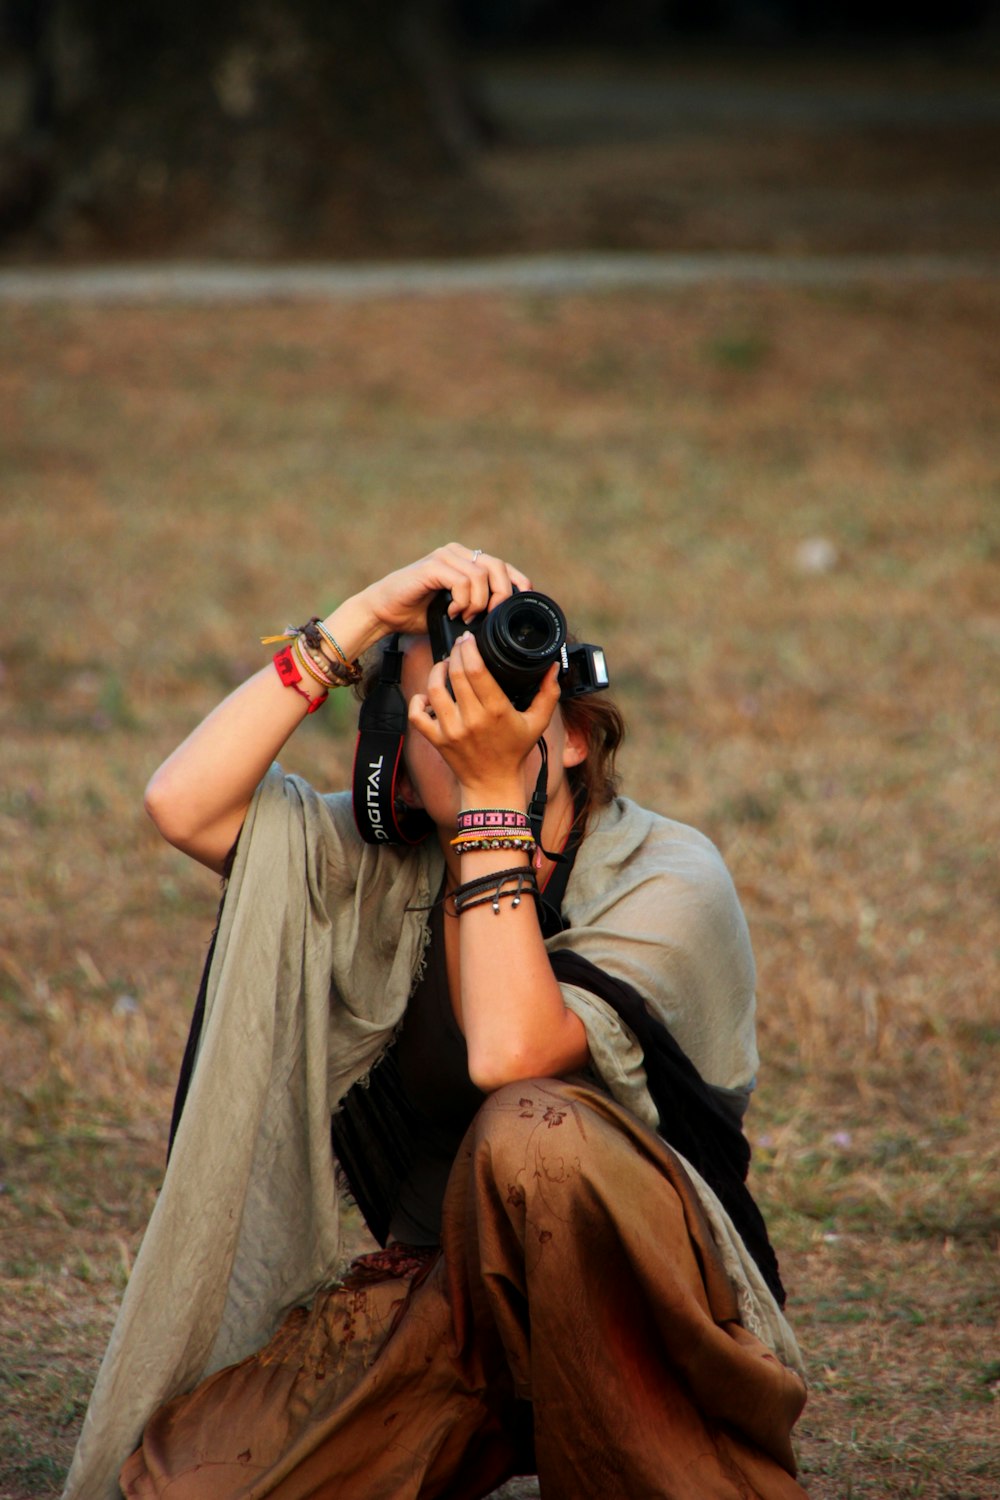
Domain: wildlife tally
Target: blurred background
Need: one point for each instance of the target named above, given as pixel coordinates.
(768, 485)
(315, 128)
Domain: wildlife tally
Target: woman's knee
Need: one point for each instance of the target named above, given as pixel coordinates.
(526, 1131)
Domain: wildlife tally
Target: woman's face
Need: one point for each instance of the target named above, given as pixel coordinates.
(430, 783)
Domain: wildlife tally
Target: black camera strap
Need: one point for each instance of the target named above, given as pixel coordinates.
(381, 816)
(537, 805)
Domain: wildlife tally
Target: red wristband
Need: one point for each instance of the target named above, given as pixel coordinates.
(290, 675)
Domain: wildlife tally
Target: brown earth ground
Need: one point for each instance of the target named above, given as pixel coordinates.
(177, 482)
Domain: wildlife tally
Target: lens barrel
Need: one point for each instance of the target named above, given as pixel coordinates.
(519, 641)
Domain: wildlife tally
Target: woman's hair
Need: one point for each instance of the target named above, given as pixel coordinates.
(594, 782)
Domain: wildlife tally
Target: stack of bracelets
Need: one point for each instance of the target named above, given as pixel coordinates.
(304, 657)
(493, 828)
(481, 829)
(490, 890)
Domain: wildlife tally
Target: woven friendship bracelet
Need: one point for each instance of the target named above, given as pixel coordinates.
(352, 671)
(308, 641)
(475, 818)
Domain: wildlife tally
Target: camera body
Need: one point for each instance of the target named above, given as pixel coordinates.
(519, 640)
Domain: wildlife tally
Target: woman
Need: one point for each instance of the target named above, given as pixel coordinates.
(560, 1291)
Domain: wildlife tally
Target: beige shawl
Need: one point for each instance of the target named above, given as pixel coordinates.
(319, 943)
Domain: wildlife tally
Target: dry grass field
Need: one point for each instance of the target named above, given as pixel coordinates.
(780, 512)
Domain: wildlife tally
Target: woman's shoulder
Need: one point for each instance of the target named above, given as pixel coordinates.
(650, 901)
(640, 872)
(632, 839)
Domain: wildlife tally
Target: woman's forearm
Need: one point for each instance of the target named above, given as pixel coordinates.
(515, 1020)
(199, 796)
(514, 1017)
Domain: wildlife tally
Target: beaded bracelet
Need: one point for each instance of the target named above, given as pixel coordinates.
(474, 846)
(316, 654)
(353, 667)
(339, 668)
(484, 835)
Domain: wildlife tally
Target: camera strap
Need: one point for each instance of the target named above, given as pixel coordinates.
(536, 807)
(381, 816)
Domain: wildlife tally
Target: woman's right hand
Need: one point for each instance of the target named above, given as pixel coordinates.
(476, 580)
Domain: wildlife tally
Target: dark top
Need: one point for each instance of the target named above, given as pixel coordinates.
(433, 1067)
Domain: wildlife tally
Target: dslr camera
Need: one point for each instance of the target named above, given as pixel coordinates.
(519, 640)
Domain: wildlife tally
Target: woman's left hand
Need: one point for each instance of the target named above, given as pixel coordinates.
(482, 737)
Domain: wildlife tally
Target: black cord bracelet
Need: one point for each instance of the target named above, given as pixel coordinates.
(489, 889)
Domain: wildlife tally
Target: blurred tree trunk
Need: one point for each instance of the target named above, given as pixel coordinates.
(233, 126)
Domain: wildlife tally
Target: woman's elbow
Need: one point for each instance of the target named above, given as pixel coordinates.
(492, 1077)
(492, 1070)
(158, 803)
(169, 811)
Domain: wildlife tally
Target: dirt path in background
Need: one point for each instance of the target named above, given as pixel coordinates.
(167, 281)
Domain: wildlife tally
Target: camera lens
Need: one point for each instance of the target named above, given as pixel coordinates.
(529, 630)
(519, 640)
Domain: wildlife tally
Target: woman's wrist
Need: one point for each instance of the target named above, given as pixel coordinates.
(353, 627)
(507, 794)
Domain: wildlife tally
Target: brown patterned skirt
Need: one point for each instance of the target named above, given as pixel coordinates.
(577, 1323)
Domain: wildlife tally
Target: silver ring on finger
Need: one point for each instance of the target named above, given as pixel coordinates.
(477, 554)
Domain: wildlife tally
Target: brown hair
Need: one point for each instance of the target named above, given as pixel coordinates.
(594, 782)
